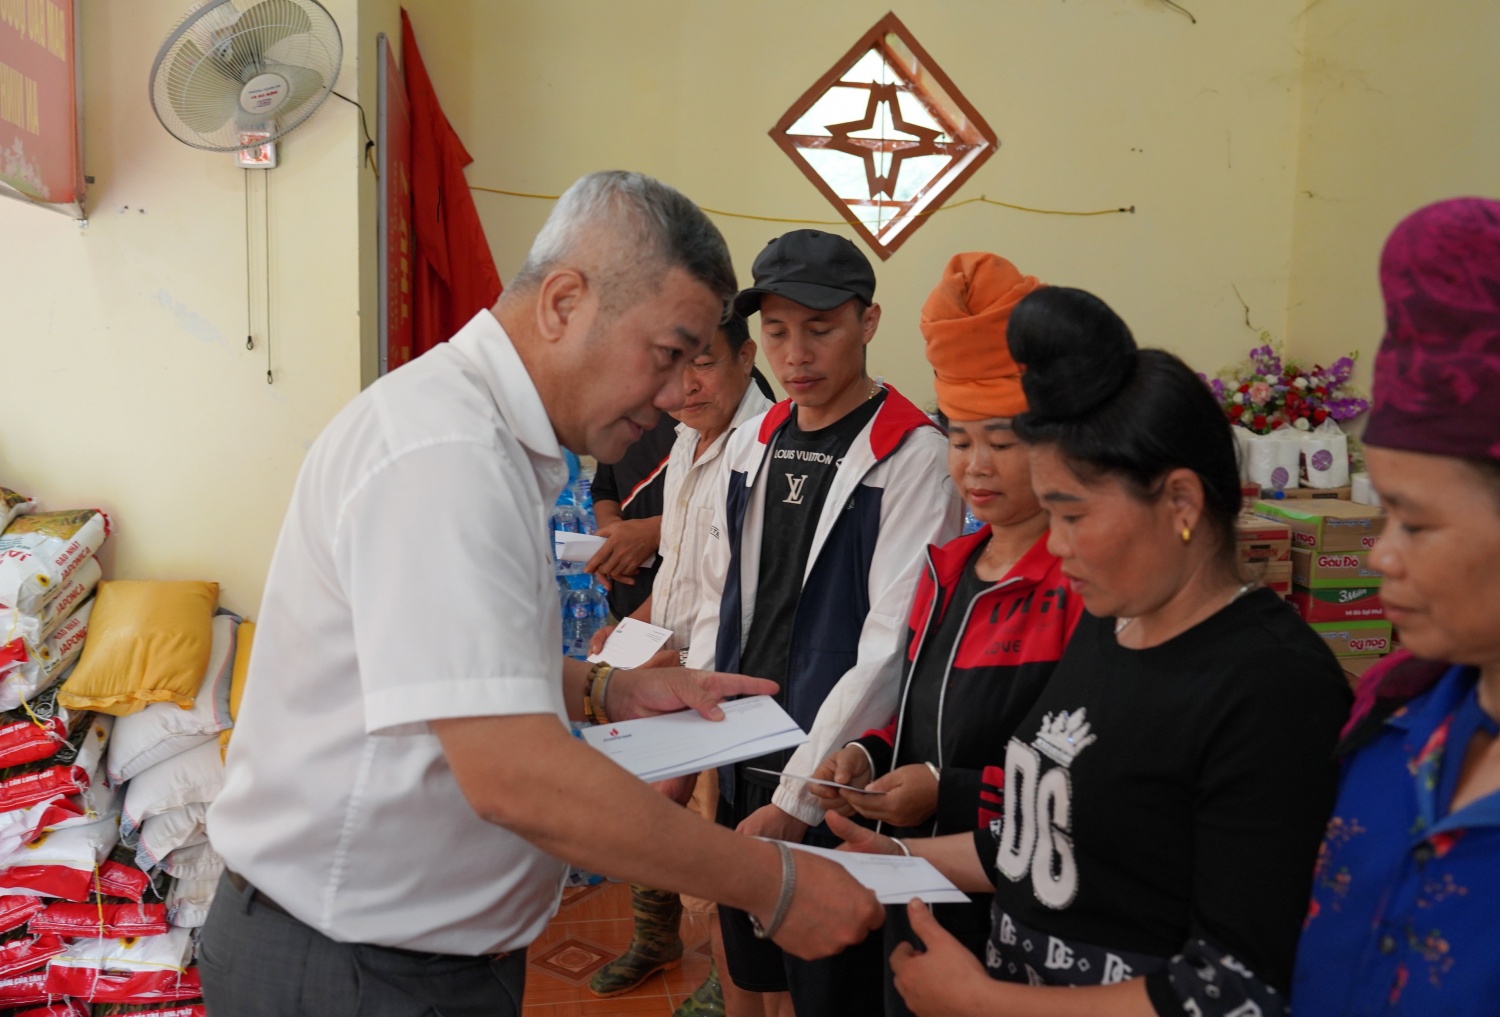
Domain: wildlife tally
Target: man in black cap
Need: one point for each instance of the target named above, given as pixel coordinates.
(831, 499)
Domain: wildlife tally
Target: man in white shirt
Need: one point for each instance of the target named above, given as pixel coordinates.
(402, 790)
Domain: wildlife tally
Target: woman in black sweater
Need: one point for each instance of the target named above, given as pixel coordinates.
(1164, 798)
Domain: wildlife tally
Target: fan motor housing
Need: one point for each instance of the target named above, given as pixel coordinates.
(264, 94)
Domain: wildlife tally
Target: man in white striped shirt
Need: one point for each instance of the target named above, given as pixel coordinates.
(721, 393)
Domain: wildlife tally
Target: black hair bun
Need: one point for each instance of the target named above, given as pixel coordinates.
(1076, 351)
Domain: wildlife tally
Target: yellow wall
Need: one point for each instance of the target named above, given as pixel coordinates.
(124, 381)
(1400, 109)
(1097, 103)
(124, 378)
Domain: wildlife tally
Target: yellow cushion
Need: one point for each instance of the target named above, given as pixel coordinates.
(245, 638)
(148, 642)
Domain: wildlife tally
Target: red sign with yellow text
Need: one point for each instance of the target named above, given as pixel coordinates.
(40, 158)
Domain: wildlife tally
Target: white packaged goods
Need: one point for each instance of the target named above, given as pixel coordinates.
(163, 730)
(1325, 456)
(40, 551)
(28, 671)
(1274, 460)
(196, 861)
(196, 775)
(189, 900)
(1242, 439)
(1361, 491)
(34, 627)
(12, 505)
(168, 831)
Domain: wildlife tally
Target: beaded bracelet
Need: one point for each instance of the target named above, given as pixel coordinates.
(598, 677)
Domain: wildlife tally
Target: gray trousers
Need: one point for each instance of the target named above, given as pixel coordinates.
(257, 962)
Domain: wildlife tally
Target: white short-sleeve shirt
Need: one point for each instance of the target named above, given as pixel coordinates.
(687, 516)
(412, 581)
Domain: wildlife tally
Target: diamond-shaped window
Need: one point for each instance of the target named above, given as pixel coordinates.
(885, 135)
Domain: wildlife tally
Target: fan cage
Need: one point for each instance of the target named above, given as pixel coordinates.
(219, 45)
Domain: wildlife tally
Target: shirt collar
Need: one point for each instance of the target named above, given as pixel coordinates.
(487, 346)
(752, 404)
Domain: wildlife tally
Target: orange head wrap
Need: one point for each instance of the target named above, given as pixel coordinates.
(963, 324)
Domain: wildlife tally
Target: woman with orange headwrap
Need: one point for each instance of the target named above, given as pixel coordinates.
(992, 610)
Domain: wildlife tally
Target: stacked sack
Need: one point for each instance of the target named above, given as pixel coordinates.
(91, 917)
(48, 571)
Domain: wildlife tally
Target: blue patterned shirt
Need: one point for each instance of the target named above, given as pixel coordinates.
(1405, 912)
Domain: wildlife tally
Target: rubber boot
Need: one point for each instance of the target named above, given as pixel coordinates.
(656, 944)
(707, 1000)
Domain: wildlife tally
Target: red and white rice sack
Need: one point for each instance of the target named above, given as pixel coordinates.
(26, 671)
(41, 550)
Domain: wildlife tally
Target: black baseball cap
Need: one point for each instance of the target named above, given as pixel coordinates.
(815, 269)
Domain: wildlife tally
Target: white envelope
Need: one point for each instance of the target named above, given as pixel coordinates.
(581, 547)
(675, 744)
(632, 643)
(895, 879)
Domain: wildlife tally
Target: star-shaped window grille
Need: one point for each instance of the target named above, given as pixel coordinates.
(885, 135)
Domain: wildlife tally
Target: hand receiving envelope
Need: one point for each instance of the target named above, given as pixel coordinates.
(675, 744)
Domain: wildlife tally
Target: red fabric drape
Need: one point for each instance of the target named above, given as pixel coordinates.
(454, 275)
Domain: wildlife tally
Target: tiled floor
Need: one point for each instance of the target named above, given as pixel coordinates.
(593, 926)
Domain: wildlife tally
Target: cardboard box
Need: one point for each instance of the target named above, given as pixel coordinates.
(1338, 603)
(1320, 493)
(1262, 539)
(1319, 570)
(1356, 639)
(1327, 525)
(1275, 576)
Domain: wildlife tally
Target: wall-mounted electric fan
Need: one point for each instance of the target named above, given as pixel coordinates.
(238, 74)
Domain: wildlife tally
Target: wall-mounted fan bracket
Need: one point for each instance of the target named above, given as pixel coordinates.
(258, 153)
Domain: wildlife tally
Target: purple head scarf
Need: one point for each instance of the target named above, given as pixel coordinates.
(1437, 376)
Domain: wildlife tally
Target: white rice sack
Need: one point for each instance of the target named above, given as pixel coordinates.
(172, 950)
(12, 505)
(196, 775)
(163, 730)
(1274, 460)
(196, 861)
(165, 832)
(40, 551)
(189, 900)
(1325, 456)
(35, 627)
(29, 671)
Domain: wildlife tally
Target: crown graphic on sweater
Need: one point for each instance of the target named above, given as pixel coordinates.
(1064, 735)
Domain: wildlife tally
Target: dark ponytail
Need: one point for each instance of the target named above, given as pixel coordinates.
(1112, 408)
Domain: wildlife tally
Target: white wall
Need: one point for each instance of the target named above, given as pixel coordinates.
(124, 378)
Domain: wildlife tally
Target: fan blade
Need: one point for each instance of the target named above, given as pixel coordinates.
(263, 26)
(203, 94)
(304, 83)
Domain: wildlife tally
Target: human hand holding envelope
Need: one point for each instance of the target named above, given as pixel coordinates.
(632, 644)
(674, 744)
(894, 879)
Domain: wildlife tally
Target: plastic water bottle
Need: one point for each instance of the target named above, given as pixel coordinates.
(584, 610)
(971, 524)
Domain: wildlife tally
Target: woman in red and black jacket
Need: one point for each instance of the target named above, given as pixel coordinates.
(992, 611)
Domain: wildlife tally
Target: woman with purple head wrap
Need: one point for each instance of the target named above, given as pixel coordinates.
(1403, 917)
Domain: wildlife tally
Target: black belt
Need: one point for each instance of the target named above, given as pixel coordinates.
(258, 896)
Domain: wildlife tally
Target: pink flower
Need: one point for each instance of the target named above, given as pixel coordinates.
(1260, 393)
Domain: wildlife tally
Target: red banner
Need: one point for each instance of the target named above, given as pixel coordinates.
(40, 156)
(394, 119)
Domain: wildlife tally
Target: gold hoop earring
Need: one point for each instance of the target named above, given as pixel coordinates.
(1187, 535)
